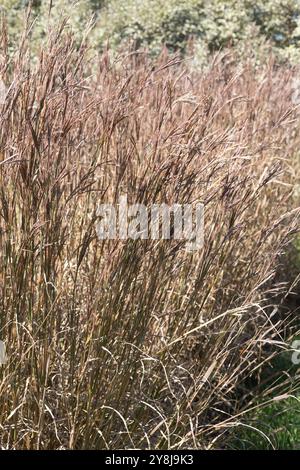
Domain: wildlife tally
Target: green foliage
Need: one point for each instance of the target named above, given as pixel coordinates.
(79, 12)
(152, 23)
(276, 426)
(12, 10)
(213, 24)
(96, 5)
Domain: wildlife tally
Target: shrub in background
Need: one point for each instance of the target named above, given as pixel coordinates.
(152, 23)
(215, 24)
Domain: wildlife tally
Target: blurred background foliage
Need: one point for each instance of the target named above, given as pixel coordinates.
(212, 24)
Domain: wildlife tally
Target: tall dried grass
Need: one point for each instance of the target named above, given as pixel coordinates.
(138, 344)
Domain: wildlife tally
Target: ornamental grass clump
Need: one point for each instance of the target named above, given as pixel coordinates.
(116, 344)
